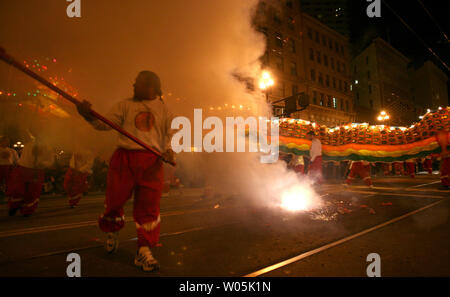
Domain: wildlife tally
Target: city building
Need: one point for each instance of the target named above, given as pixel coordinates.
(429, 86)
(306, 57)
(381, 83)
(333, 13)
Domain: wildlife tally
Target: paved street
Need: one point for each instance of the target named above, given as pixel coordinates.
(229, 236)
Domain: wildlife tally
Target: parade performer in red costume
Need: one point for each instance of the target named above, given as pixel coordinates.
(428, 164)
(411, 167)
(75, 180)
(134, 170)
(297, 164)
(361, 169)
(8, 158)
(399, 168)
(315, 154)
(386, 169)
(25, 183)
(443, 140)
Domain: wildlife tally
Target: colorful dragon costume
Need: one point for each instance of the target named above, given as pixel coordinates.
(365, 142)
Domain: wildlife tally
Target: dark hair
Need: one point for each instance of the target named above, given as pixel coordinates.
(152, 79)
(311, 133)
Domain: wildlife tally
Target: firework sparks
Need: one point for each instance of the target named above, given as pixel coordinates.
(299, 198)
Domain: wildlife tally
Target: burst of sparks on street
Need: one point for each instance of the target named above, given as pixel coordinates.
(298, 198)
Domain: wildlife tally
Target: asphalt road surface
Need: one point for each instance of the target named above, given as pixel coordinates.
(404, 220)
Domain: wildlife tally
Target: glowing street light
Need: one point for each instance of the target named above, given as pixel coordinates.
(18, 145)
(383, 116)
(266, 81)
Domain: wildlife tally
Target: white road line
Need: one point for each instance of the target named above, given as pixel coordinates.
(399, 194)
(418, 186)
(333, 244)
(428, 190)
(76, 225)
(101, 243)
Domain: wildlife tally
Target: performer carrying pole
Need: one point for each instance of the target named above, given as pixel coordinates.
(386, 169)
(315, 153)
(297, 164)
(443, 138)
(428, 164)
(135, 170)
(75, 180)
(399, 168)
(25, 183)
(132, 169)
(8, 158)
(411, 167)
(361, 168)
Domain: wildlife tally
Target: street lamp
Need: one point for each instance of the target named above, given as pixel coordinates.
(383, 116)
(265, 82)
(18, 145)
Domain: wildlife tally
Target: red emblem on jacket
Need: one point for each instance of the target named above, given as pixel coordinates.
(144, 121)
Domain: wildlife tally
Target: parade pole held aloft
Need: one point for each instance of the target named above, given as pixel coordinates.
(10, 60)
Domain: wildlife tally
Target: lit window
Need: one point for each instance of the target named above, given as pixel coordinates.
(279, 40)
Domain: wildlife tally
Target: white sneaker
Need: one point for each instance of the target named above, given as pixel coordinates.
(144, 259)
(112, 242)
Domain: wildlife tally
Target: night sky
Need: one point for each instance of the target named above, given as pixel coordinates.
(112, 41)
(390, 28)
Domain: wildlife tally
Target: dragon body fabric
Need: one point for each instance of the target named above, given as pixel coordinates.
(364, 142)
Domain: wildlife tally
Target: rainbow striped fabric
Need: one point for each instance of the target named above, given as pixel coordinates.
(364, 142)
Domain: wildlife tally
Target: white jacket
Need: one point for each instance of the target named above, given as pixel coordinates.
(316, 149)
(149, 121)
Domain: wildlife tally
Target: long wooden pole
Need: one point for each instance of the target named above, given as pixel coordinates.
(10, 60)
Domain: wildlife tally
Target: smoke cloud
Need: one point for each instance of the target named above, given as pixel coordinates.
(196, 47)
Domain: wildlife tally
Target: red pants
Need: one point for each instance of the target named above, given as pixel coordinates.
(139, 172)
(445, 172)
(5, 171)
(315, 169)
(399, 168)
(75, 184)
(299, 169)
(24, 188)
(362, 170)
(386, 169)
(411, 167)
(428, 165)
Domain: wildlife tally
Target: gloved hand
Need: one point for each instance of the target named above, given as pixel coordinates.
(169, 156)
(84, 109)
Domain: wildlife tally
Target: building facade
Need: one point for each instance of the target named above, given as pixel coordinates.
(429, 86)
(306, 57)
(381, 83)
(333, 13)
